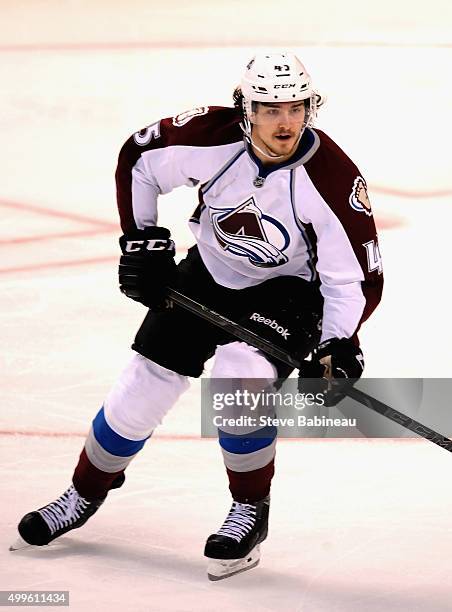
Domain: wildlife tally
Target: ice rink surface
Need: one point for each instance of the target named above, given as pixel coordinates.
(355, 525)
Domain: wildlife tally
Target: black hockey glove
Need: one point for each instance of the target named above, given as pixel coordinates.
(147, 266)
(335, 366)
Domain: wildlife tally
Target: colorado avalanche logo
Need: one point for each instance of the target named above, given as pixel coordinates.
(246, 231)
(359, 200)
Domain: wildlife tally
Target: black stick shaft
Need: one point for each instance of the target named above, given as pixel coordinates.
(253, 339)
(400, 418)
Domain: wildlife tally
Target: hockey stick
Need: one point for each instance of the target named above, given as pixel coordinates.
(253, 339)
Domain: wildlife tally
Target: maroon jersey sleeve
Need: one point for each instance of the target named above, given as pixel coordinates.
(342, 187)
(200, 128)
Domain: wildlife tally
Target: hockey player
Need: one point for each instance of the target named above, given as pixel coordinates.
(283, 228)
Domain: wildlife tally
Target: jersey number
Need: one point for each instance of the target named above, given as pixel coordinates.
(144, 137)
(373, 256)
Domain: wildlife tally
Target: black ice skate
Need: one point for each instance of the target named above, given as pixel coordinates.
(68, 512)
(235, 547)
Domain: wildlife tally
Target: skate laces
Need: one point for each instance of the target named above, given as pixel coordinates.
(64, 511)
(239, 522)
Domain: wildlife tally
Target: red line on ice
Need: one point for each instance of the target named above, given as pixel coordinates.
(51, 212)
(183, 44)
(79, 434)
(58, 235)
(69, 264)
(405, 193)
(59, 264)
(196, 438)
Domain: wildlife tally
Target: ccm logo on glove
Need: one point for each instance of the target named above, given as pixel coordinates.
(147, 266)
(135, 246)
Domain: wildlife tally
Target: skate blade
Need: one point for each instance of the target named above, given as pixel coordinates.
(19, 544)
(218, 569)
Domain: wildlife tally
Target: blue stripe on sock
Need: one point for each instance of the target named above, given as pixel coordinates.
(248, 443)
(111, 441)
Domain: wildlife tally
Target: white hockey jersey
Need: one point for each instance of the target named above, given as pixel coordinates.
(307, 217)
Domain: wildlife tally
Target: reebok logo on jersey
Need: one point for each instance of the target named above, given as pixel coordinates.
(271, 323)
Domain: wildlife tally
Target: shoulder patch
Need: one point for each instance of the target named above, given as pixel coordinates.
(186, 116)
(359, 200)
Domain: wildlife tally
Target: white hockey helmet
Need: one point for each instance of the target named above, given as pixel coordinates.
(277, 77)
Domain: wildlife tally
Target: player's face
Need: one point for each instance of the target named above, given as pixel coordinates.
(276, 128)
